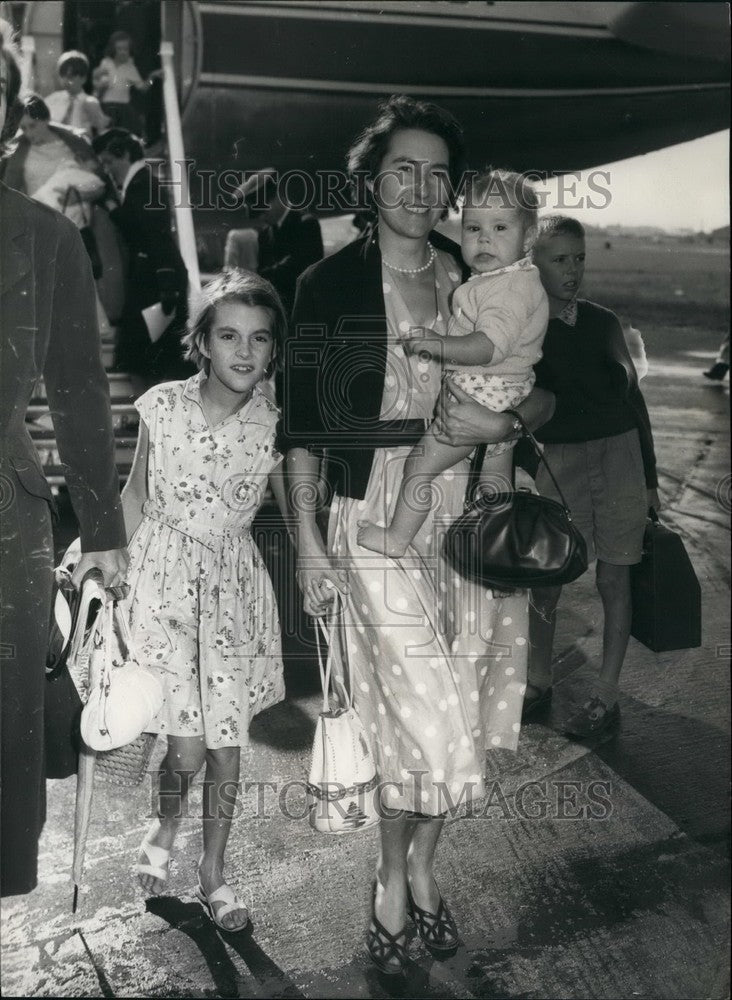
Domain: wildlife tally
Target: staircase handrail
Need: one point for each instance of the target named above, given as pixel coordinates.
(178, 172)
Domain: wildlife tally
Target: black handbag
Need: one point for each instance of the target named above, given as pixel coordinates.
(666, 595)
(515, 540)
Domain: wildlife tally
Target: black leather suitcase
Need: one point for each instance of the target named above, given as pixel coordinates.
(666, 593)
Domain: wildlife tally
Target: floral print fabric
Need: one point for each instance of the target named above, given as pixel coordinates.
(201, 606)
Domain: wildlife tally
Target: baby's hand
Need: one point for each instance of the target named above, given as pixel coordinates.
(423, 341)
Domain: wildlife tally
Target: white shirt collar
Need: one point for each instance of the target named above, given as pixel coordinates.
(263, 396)
(135, 168)
(568, 315)
(524, 264)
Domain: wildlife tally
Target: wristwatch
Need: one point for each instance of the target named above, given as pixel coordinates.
(517, 428)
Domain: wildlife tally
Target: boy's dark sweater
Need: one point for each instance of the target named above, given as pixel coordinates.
(588, 368)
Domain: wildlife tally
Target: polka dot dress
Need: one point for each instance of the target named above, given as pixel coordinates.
(438, 665)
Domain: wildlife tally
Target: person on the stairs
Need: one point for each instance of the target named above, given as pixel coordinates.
(72, 105)
(157, 273)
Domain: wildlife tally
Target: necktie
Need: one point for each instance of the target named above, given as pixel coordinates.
(66, 120)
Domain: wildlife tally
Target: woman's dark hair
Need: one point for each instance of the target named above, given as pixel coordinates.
(236, 285)
(119, 142)
(10, 124)
(73, 63)
(35, 107)
(400, 112)
(118, 36)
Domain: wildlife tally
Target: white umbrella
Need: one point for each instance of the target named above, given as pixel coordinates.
(85, 664)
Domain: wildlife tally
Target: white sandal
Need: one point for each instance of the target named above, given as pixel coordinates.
(159, 862)
(229, 901)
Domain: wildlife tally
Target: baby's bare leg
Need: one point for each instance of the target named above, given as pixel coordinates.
(426, 461)
(496, 476)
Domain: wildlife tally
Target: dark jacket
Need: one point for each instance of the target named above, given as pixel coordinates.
(286, 250)
(48, 327)
(144, 220)
(335, 363)
(590, 372)
(156, 269)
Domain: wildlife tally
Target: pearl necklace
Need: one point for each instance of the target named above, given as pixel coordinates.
(413, 270)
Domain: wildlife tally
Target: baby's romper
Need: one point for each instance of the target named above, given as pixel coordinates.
(511, 307)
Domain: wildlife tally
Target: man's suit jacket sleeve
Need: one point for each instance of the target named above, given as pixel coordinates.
(132, 217)
(144, 219)
(78, 396)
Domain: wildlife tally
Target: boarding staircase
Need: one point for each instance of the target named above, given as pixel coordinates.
(124, 414)
(124, 420)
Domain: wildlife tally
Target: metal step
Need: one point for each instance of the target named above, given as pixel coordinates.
(120, 390)
(124, 416)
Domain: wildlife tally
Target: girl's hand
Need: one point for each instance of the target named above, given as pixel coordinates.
(461, 421)
(319, 582)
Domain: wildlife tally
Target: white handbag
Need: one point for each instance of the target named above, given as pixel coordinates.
(124, 697)
(343, 783)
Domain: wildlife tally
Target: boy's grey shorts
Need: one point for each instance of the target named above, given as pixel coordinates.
(604, 485)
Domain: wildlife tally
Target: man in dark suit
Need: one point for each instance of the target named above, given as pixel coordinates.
(156, 274)
(48, 327)
(287, 240)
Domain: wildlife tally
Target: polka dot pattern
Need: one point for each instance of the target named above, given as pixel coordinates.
(439, 710)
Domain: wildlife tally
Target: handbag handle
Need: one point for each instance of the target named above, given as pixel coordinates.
(105, 680)
(113, 614)
(124, 630)
(479, 455)
(540, 452)
(79, 202)
(327, 678)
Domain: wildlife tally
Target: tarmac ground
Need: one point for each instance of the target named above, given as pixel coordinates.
(597, 871)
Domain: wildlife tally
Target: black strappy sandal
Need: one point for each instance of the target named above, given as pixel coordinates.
(383, 946)
(437, 930)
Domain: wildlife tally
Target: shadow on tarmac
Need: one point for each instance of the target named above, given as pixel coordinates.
(104, 987)
(678, 763)
(190, 919)
(284, 727)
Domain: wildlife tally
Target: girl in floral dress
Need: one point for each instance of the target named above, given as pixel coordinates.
(201, 606)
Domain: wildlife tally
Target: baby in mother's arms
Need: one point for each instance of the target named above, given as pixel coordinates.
(499, 318)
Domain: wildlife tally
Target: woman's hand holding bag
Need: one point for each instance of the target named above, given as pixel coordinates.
(517, 539)
(343, 784)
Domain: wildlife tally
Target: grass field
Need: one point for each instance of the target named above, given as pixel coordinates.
(675, 292)
(670, 288)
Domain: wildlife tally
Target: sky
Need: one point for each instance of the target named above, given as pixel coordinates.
(680, 187)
